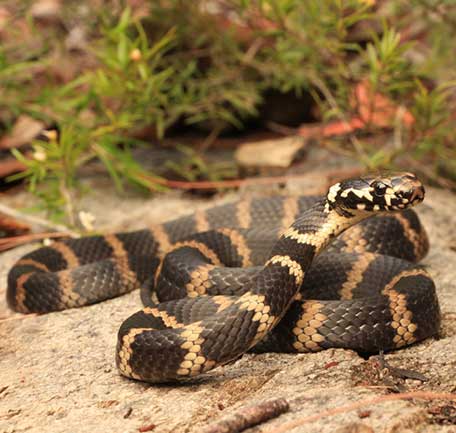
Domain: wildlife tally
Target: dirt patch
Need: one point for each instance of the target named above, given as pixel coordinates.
(58, 374)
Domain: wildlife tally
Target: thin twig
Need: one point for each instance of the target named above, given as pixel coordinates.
(250, 181)
(281, 129)
(250, 416)
(210, 139)
(319, 84)
(14, 241)
(419, 395)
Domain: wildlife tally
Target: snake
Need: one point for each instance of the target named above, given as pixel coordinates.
(283, 274)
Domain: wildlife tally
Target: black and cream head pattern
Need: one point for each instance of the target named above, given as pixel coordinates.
(376, 193)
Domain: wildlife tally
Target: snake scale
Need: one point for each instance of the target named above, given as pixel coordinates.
(292, 274)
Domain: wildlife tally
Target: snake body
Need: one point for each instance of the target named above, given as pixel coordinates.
(243, 276)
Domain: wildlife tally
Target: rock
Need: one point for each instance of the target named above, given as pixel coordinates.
(277, 153)
(46, 10)
(76, 39)
(58, 372)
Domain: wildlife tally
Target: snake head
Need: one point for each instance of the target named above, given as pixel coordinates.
(376, 193)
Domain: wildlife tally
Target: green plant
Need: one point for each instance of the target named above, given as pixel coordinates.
(434, 134)
(15, 75)
(97, 125)
(139, 82)
(55, 160)
(183, 63)
(53, 164)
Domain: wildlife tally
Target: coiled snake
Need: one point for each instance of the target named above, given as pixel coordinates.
(239, 276)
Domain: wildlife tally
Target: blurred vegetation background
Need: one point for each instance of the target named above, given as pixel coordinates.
(93, 80)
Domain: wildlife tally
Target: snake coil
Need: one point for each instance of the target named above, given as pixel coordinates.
(243, 276)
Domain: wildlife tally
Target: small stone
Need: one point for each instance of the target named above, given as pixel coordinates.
(46, 10)
(280, 153)
(76, 39)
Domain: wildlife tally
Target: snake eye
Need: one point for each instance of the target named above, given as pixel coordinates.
(379, 189)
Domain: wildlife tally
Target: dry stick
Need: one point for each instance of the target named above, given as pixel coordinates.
(250, 181)
(14, 241)
(423, 395)
(332, 101)
(210, 139)
(10, 166)
(249, 416)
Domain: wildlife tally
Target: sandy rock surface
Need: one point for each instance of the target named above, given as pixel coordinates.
(58, 374)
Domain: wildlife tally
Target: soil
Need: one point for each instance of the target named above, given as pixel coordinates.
(58, 374)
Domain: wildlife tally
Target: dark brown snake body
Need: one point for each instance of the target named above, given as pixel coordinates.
(232, 279)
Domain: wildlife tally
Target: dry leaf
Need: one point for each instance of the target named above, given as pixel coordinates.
(10, 166)
(11, 227)
(24, 131)
(376, 109)
(373, 109)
